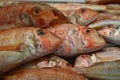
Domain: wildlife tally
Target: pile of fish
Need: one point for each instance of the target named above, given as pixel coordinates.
(43, 42)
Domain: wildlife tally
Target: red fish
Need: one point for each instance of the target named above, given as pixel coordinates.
(22, 14)
(83, 16)
(20, 45)
(104, 55)
(77, 39)
(46, 74)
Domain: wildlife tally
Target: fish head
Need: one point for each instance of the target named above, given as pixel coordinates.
(37, 14)
(110, 30)
(91, 40)
(83, 61)
(84, 16)
(45, 41)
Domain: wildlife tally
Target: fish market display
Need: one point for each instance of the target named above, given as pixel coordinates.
(46, 74)
(111, 33)
(83, 16)
(20, 45)
(102, 71)
(40, 40)
(29, 14)
(104, 55)
(77, 39)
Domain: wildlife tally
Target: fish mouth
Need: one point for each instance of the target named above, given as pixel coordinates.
(93, 49)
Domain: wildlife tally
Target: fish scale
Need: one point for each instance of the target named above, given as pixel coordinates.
(13, 12)
(46, 74)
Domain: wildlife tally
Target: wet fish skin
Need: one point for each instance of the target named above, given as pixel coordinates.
(46, 61)
(20, 45)
(109, 44)
(103, 23)
(46, 74)
(105, 16)
(83, 16)
(76, 6)
(102, 71)
(52, 61)
(105, 55)
(22, 14)
(111, 33)
(77, 39)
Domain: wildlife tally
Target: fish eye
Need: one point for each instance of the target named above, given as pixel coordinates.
(83, 10)
(55, 12)
(87, 31)
(117, 27)
(109, 26)
(68, 64)
(40, 32)
(24, 15)
(36, 10)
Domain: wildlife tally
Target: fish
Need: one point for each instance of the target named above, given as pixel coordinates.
(104, 16)
(103, 23)
(111, 33)
(103, 2)
(114, 9)
(27, 14)
(83, 16)
(50, 61)
(46, 74)
(20, 45)
(105, 55)
(101, 71)
(77, 39)
(76, 6)
(45, 61)
(109, 44)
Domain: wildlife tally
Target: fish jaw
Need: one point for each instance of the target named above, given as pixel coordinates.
(7, 58)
